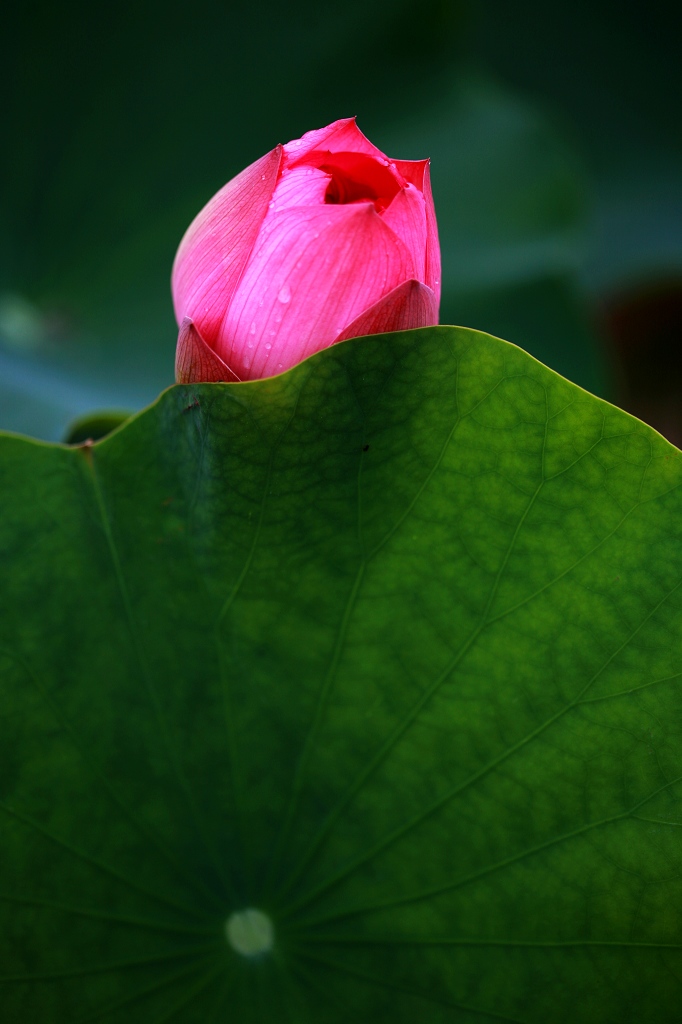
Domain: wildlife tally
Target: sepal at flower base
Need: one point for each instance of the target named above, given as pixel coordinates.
(195, 361)
(409, 305)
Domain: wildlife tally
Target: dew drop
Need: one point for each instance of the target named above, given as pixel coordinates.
(284, 294)
(252, 328)
(271, 333)
(268, 347)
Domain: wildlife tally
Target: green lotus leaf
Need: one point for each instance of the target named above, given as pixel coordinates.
(348, 695)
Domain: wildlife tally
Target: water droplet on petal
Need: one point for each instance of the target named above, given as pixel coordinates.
(284, 293)
(271, 333)
(268, 347)
(252, 328)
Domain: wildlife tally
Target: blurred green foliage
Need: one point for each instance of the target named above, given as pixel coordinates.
(556, 172)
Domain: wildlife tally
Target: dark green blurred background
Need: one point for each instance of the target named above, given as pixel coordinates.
(557, 168)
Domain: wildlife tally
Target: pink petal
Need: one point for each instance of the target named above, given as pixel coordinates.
(413, 171)
(300, 186)
(337, 137)
(409, 305)
(356, 177)
(418, 173)
(407, 217)
(216, 246)
(195, 362)
(433, 275)
(312, 272)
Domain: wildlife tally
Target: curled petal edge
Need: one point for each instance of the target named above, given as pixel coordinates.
(339, 136)
(418, 172)
(412, 304)
(195, 362)
(433, 270)
(413, 171)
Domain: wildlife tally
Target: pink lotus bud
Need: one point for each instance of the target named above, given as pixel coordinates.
(320, 240)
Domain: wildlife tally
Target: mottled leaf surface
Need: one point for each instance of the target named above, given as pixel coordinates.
(388, 648)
